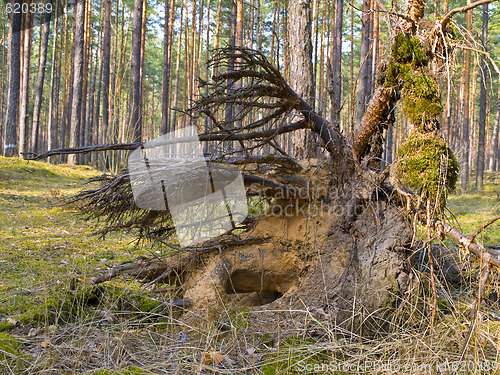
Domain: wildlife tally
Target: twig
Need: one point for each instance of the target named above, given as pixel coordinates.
(447, 17)
(463, 240)
(483, 228)
(483, 278)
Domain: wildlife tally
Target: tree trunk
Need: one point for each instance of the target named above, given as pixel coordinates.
(301, 71)
(494, 157)
(364, 86)
(76, 106)
(106, 61)
(177, 70)
(465, 167)
(40, 81)
(337, 64)
(11, 146)
(167, 60)
(480, 161)
(25, 80)
(85, 81)
(51, 132)
(135, 97)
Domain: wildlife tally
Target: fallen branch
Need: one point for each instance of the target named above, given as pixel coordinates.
(463, 240)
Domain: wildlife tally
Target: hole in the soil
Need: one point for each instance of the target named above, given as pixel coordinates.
(250, 288)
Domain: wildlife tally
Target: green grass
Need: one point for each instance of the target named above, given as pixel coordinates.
(47, 248)
(49, 254)
(473, 209)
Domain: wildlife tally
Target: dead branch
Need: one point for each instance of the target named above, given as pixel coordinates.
(483, 278)
(283, 161)
(461, 239)
(483, 227)
(447, 17)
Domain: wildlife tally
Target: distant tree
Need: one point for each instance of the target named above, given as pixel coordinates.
(40, 82)
(301, 68)
(78, 50)
(11, 146)
(465, 112)
(25, 79)
(106, 61)
(482, 106)
(135, 97)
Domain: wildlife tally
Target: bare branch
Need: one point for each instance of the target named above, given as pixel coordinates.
(462, 240)
(483, 227)
(270, 133)
(447, 17)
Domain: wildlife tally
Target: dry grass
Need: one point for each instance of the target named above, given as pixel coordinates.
(55, 322)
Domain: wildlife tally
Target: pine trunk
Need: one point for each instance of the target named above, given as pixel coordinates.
(11, 146)
(482, 107)
(135, 97)
(76, 106)
(39, 84)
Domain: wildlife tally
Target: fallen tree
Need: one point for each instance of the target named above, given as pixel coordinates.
(335, 233)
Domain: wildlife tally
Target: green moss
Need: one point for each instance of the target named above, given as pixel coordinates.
(428, 167)
(11, 358)
(408, 50)
(146, 304)
(407, 55)
(5, 325)
(407, 70)
(421, 99)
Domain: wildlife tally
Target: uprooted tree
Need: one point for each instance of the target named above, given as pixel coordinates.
(335, 232)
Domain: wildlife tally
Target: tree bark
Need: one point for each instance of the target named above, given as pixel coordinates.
(11, 146)
(494, 138)
(364, 87)
(482, 106)
(337, 64)
(76, 106)
(51, 132)
(465, 167)
(25, 80)
(135, 98)
(167, 59)
(301, 71)
(106, 62)
(177, 69)
(40, 81)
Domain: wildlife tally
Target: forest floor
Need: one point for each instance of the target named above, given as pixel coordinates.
(54, 321)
